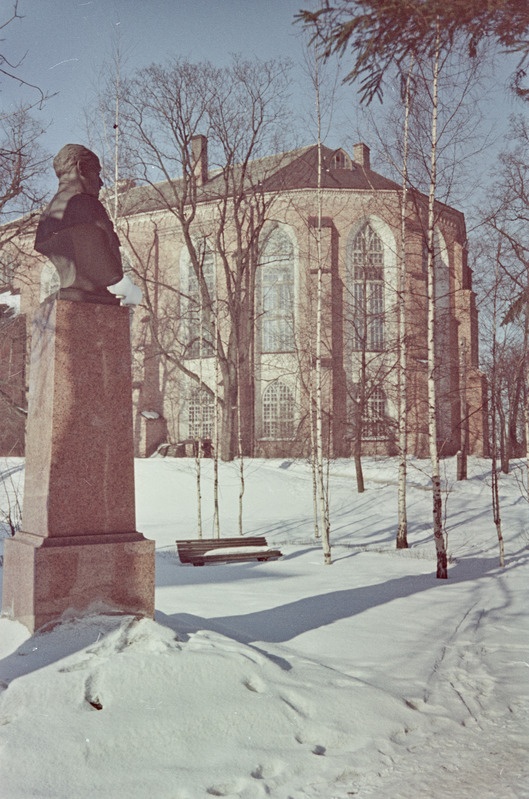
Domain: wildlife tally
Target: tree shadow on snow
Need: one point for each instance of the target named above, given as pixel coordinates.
(287, 621)
(273, 625)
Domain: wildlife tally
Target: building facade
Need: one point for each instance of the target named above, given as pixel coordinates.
(255, 301)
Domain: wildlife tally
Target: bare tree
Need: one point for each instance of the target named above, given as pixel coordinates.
(382, 37)
(322, 489)
(402, 524)
(507, 217)
(10, 70)
(22, 161)
(370, 344)
(214, 191)
(22, 165)
(442, 562)
(496, 510)
(12, 376)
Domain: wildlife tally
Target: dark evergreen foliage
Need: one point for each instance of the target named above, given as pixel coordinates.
(384, 33)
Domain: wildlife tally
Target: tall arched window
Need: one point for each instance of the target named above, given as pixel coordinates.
(276, 280)
(200, 414)
(278, 411)
(367, 268)
(374, 422)
(199, 296)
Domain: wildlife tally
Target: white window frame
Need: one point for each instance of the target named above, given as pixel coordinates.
(277, 293)
(367, 274)
(200, 414)
(374, 422)
(278, 409)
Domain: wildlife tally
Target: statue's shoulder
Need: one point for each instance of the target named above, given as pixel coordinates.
(84, 209)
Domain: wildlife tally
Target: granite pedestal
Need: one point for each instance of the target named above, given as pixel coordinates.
(78, 550)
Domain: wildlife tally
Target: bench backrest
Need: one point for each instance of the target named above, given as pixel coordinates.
(190, 548)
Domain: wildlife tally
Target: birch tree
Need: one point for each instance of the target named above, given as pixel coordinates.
(442, 561)
(382, 36)
(22, 160)
(321, 500)
(23, 165)
(507, 216)
(402, 523)
(495, 493)
(165, 110)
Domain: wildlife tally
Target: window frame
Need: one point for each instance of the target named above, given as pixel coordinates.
(278, 412)
(202, 425)
(375, 416)
(367, 274)
(277, 291)
(197, 346)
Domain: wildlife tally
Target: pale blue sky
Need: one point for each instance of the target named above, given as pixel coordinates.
(65, 42)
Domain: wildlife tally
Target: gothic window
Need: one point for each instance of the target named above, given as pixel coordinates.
(198, 300)
(276, 275)
(200, 414)
(375, 414)
(278, 411)
(368, 290)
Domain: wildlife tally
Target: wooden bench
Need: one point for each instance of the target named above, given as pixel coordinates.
(200, 551)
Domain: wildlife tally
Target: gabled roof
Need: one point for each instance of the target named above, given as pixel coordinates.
(288, 171)
(302, 173)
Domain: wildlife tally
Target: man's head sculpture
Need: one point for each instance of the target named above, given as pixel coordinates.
(77, 162)
(76, 233)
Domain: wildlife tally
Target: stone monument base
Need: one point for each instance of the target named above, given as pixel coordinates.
(45, 578)
(79, 549)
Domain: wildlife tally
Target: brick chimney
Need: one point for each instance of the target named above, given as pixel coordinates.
(361, 155)
(199, 155)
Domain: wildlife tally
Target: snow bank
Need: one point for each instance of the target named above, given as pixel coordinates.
(368, 678)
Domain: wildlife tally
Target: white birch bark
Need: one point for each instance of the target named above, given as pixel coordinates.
(198, 439)
(462, 455)
(402, 527)
(442, 563)
(216, 426)
(526, 380)
(324, 524)
(496, 511)
(312, 421)
(240, 449)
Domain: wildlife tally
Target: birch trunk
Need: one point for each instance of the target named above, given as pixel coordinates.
(496, 512)
(240, 450)
(216, 436)
(402, 527)
(526, 385)
(198, 439)
(322, 498)
(462, 455)
(312, 420)
(442, 561)
(360, 404)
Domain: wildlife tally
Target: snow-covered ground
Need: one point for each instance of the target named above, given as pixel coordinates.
(288, 679)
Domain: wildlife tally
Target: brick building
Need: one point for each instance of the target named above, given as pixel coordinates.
(338, 235)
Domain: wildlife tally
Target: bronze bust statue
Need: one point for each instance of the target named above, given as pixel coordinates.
(76, 233)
